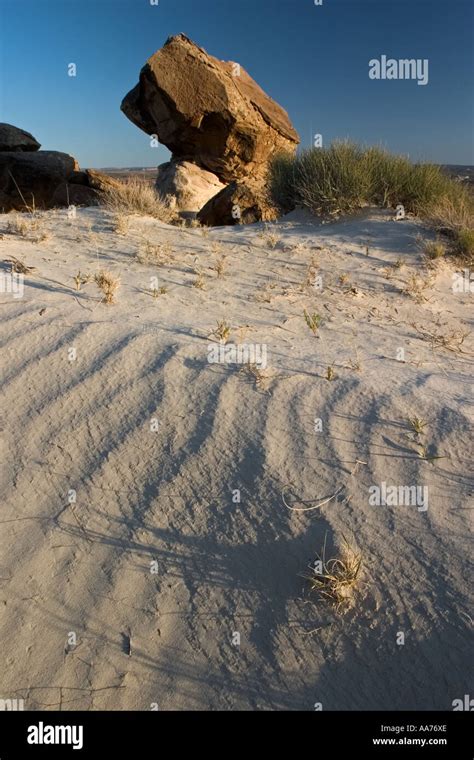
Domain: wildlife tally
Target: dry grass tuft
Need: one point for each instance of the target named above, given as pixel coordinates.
(29, 228)
(200, 281)
(463, 246)
(451, 215)
(311, 278)
(270, 237)
(18, 267)
(136, 197)
(121, 223)
(81, 279)
(159, 254)
(451, 341)
(222, 331)
(313, 321)
(434, 249)
(415, 287)
(261, 377)
(417, 425)
(109, 284)
(157, 292)
(337, 579)
(220, 266)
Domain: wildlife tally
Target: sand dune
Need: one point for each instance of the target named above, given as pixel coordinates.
(164, 634)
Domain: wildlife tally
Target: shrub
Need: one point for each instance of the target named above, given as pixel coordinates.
(434, 249)
(136, 197)
(108, 284)
(464, 244)
(345, 177)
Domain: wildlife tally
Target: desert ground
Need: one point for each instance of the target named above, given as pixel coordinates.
(160, 512)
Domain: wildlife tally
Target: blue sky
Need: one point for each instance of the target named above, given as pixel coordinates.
(313, 60)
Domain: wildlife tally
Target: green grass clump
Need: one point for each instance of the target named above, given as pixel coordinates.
(345, 177)
(434, 249)
(464, 244)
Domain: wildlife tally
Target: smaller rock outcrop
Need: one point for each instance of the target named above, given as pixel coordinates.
(39, 179)
(186, 186)
(29, 179)
(15, 139)
(238, 203)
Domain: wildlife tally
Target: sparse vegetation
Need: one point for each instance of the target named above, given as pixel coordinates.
(313, 321)
(108, 284)
(415, 287)
(270, 237)
(345, 177)
(261, 377)
(355, 364)
(335, 580)
(464, 245)
(311, 276)
(159, 254)
(157, 292)
(434, 249)
(427, 453)
(28, 227)
(451, 341)
(136, 197)
(18, 266)
(453, 217)
(121, 223)
(222, 331)
(417, 424)
(219, 266)
(81, 279)
(200, 281)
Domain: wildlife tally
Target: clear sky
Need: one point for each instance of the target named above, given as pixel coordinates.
(314, 60)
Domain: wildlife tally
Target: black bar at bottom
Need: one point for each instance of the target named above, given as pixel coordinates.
(134, 734)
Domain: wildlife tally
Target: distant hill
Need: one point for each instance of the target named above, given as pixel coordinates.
(463, 173)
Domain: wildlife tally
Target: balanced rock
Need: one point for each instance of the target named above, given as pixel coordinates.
(15, 139)
(209, 112)
(30, 179)
(186, 186)
(238, 203)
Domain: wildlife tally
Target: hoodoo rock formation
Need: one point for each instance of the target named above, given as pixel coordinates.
(209, 113)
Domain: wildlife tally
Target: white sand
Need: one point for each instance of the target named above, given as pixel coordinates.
(166, 496)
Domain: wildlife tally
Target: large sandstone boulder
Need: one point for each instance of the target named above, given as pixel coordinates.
(15, 139)
(185, 186)
(30, 179)
(209, 112)
(238, 203)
